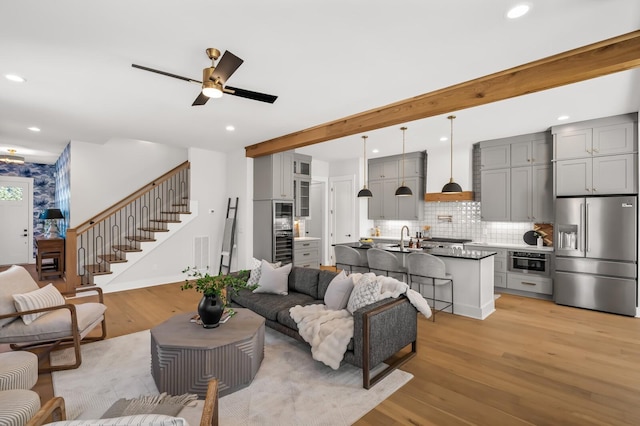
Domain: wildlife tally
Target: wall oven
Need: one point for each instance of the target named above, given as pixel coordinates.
(526, 262)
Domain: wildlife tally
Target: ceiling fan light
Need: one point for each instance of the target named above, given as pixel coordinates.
(11, 158)
(211, 90)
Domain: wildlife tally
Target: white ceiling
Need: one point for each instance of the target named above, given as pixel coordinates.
(325, 60)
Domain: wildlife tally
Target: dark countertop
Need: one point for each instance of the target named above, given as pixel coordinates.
(440, 252)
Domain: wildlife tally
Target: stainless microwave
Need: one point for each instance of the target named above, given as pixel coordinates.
(526, 262)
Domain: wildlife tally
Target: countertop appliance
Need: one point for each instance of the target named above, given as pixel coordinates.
(596, 253)
(526, 262)
(273, 230)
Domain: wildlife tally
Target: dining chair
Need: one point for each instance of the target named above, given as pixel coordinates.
(427, 269)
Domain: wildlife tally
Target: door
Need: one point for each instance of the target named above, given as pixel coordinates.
(611, 228)
(521, 197)
(343, 211)
(16, 225)
(316, 225)
(496, 195)
(573, 177)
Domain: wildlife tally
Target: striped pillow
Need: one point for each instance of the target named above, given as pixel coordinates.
(44, 297)
(137, 420)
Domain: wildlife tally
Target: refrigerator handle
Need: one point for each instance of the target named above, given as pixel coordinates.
(581, 231)
(586, 228)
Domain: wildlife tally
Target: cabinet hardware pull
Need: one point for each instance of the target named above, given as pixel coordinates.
(594, 190)
(595, 150)
(587, 189)
(527, 283)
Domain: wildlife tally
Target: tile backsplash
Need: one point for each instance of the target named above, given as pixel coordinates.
(465, 223)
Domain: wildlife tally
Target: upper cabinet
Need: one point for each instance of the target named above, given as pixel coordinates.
(273, 177)
(386, 175)
(517, 184)
(597, 157)
(301, 184)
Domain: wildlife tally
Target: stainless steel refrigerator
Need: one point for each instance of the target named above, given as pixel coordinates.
(596, 253)
(273, 230)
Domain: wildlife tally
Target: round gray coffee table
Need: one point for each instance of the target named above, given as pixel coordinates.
(185, 355)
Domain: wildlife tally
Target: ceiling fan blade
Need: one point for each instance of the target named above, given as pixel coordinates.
(256, 96)
(227, 65)
(168, 74)
(200, 100)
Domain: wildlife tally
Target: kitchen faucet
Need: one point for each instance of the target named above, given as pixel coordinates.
(402, 236)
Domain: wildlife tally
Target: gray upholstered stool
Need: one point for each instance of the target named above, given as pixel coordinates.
(18, 370)
(18, 406)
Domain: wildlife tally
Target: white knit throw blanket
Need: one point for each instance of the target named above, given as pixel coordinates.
(329, 332)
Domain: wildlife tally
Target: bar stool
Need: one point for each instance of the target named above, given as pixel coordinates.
(427, 269)
(382, 261)
(352, 259)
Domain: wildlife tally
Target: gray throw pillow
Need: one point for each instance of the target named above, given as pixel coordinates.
(274, 280)
(338, 292)
(256, 271)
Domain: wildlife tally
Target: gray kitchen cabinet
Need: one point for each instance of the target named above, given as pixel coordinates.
(611, 174)
(532, 194)
(521, 194)
(529, 153)
(302, 166)
(530, 283)
(273, 177)
(600, 137)
(496, 195)
(495, 157)
(385, 204)
(302, 192)
(306, 253)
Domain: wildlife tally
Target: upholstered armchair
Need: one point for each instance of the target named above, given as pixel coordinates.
(32, 317)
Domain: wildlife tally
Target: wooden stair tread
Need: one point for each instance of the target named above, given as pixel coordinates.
(165, 220)
(112, 258)
(179, 205)
(153, 229)
(166, 212)
(141, 239)
(126, 248)
(97, 270)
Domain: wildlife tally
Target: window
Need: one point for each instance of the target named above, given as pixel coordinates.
(10, 193)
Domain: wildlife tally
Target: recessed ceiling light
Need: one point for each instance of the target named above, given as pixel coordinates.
(15, 78)
(34, 129)
(563, 117)
(375, 150)
(518, 11)
(230, 128)
(444, 138)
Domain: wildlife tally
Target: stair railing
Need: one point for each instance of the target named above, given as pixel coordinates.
(106, 238)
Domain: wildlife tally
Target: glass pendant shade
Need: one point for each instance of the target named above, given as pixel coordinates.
(403, 190)
(365, 192)
(451, 186)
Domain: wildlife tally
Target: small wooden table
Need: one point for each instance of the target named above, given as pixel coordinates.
(185, 355)
(53, 249)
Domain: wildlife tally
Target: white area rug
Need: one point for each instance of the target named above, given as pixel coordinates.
(289, 389)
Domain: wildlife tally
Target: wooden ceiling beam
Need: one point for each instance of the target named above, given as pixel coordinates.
(595, 60)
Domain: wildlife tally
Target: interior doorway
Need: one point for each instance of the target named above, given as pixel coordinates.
(342, 211)
(16, 220)
(315, 226)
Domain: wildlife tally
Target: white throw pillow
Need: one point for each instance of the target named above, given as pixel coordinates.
(273, 280)
(338, 292)
(365, 292)
(44, 297)
(256, 271)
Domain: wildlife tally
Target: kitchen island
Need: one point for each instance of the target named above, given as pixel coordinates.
(472, 272)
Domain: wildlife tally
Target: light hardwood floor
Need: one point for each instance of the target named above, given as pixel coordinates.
(530, 362)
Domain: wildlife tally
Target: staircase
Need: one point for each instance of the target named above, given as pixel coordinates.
(122, 232)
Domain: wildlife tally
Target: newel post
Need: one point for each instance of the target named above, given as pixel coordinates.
(71, 259)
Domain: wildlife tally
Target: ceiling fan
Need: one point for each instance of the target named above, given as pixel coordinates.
(215, 77)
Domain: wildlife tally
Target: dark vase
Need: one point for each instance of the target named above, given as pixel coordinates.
(210, 310)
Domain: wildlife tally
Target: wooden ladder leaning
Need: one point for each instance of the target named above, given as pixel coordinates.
(228, 239)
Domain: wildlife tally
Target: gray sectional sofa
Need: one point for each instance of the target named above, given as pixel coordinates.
(380, 329)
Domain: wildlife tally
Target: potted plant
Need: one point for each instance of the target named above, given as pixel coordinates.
(215, 292)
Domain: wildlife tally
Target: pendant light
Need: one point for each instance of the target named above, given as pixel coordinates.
(403, 191)
(451, 187)
(365, 192)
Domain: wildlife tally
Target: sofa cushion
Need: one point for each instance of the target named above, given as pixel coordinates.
(14, 280)
(256, 271)
(365, 292)
(268, 305)
(273, 280)
(284, 317)
(305, 281)
(45, 297)
(324, 279)
(54, 325)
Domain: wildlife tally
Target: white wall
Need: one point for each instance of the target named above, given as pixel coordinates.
(102, 175)
(240, 184)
